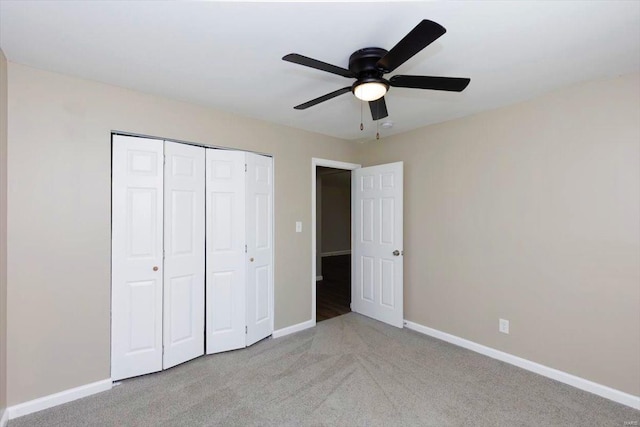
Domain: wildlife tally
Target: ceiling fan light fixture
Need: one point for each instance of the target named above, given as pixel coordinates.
(370, 91)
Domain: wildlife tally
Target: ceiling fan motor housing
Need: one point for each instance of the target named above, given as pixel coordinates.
(363, 63)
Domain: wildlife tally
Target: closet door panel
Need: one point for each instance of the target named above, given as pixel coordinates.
(136, 296)
(225, 312)
(184, 263)
(259, 196)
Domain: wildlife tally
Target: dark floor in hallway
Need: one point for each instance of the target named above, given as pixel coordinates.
(333, 292)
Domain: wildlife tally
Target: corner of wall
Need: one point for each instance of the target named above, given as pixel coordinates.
(3, 238)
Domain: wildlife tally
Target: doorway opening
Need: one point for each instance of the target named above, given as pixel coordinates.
(332, 237)
(333, 242)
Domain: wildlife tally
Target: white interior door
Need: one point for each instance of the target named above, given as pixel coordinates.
(184, 212)
(226, 275)
(136, 296)
(259, 190)
(377, 273)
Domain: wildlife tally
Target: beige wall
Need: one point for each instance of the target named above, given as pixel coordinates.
(3, 233)
(336, 212)
(531, 213)
(59, 216)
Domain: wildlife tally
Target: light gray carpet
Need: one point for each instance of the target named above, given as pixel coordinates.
(348, 371)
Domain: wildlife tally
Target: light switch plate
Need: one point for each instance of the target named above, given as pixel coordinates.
(503, 326)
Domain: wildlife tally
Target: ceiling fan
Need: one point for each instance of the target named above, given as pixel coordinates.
(368, 66)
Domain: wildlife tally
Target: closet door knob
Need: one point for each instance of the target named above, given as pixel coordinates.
(251, 259)
(155, 268)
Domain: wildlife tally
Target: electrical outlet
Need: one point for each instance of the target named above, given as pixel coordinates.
(503, 326)
(298, 226)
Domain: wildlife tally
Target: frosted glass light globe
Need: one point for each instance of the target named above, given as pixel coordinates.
(370, 91)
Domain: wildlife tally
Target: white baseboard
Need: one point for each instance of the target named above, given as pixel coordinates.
(318, 278)
(294, 328)
(563, 377)
(335, 253)
(4, 419)
(56, 399)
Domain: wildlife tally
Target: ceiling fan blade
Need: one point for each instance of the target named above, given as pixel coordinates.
(378, 109)
(451, 84)
(323, 98)
(318, 65)
(425, 33)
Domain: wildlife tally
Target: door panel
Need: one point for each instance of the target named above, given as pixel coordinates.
(142, 241)
(262, 293)
(182, 310)
(377, 282)
(259, 196)
(222, 290)
(366, 220)
(137, 218)
(184, 253)
(366, 284)
(141, 306)
(226, 298)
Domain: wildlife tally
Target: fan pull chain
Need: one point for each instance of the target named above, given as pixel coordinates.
(377, 121)
(361, 107)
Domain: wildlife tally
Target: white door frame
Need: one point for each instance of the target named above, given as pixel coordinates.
(315, 162)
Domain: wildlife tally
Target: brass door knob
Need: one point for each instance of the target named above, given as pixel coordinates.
(155, 268)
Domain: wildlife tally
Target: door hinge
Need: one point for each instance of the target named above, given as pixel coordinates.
(246, 329)
(245, 249)
(245, 167)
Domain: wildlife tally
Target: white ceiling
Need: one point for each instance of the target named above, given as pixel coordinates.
(227, 55)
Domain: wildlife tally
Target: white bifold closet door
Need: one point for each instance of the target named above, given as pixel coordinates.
(136, 290)
(184, 236)
(239, 249)
(259, 196)
(157, 309)
(226, 257)
(166, 198)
